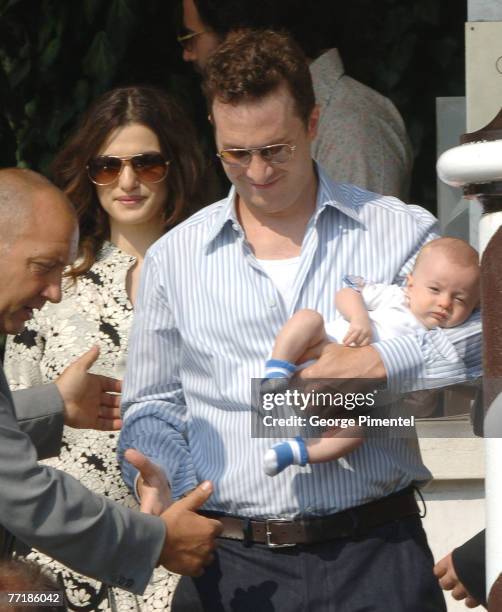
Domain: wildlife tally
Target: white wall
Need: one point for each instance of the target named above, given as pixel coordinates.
(455, 498)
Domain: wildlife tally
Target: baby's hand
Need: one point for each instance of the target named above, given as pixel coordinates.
(359, 333)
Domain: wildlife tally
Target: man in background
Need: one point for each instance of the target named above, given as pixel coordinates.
(361, 137)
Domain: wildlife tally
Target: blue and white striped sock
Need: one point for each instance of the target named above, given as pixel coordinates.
(278, 368)
(284, 454)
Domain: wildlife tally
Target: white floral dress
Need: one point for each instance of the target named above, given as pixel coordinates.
(95, 310)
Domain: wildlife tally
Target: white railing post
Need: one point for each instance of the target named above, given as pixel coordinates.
(476, 166)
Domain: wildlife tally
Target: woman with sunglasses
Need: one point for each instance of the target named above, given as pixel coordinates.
(132, 170)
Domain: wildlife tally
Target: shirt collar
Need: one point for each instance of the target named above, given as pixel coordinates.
(335, 195)
(226, 215)
(326, 70)
(345, 198)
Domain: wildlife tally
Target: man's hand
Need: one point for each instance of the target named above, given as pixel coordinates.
(444, 571)
(190, 538)
(343, 362)
(153, 488)
(87, 400)
(359, 333)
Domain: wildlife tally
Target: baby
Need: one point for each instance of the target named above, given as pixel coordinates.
(442, 291)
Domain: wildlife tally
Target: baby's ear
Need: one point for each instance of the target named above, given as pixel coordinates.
(409, 280)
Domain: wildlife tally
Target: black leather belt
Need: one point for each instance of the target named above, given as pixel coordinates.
(277, 532)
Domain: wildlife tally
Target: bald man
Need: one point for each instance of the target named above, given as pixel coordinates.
(45, 508)
(78, 399)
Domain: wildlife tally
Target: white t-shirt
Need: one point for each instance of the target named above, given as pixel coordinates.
(283, 274)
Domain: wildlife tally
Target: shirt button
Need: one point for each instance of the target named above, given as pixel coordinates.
(272, 303)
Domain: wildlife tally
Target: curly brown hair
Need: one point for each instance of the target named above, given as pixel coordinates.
(251, 64)
(156, 110)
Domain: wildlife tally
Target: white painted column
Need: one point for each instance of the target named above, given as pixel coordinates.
(463, 165)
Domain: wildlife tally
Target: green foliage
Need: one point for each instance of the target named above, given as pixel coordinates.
(56, 56)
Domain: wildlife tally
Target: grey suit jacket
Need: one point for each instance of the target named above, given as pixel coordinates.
(39, 413)
(51, 511)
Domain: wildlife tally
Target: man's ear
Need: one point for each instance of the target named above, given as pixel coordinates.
(313, 123)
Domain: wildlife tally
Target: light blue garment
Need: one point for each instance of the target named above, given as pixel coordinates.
(205, 321)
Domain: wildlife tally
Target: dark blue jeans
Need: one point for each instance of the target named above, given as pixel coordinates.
(388, 569)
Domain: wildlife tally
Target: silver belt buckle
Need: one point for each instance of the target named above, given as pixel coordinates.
(268, 533)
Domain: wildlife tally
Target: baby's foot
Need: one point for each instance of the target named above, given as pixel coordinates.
(283, 454)
(277, 376)
(279, 368)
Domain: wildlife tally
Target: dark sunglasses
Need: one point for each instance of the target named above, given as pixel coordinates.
(148, 167)
(186, 38)
(272, 154)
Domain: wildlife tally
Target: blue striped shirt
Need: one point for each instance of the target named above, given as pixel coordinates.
(206, 318)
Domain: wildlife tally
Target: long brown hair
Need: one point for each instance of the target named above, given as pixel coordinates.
(156, 110)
